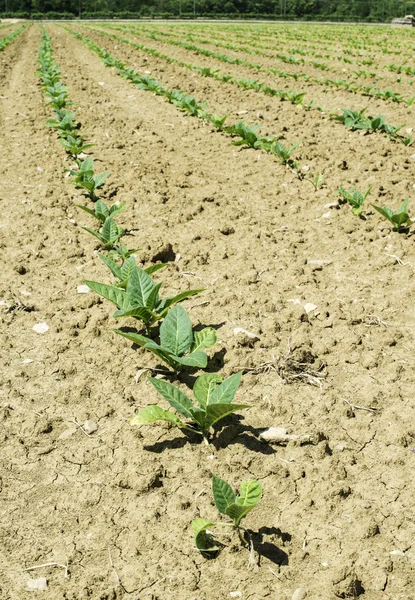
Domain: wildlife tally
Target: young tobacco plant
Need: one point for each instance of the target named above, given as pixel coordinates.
(283, 153)
(213, 395)
(101, 211)
(235, 506)
(355, 199)
(75, 145)
(110, 234)
(85, 178)
(179, 344)
(138, 295)
(399, 219)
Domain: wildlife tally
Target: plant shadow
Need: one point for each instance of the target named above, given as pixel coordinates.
(267, 549)
(234, 432)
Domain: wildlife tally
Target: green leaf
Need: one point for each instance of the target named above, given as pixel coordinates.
(110, 231)
(226, 391)
(136, 338)
(195, 359)
(204, 541)
(385, 212)
(112, 265)
(216, 412)
(139, 312)
(127, 268)
(139, 287)
(99, 179)
(203, 339)
(153, 297)
(110, 292)
(174, 397)
(86, 209)
(101, 211)
(222, 494)
(155, 413)
(167, 302)
(204, 386)
(117, 209)
(237, 512)
(176, 331)
(95, 233)
(154, 268)
(250, 493)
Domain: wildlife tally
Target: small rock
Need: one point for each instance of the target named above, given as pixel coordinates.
(100, 83)
(242, 112)
(309, 307)
(82, 289)
(67, 433)
(299, 594)
(331, 205)
(41, 327)
(25, 293)
(21, 269)
(27, 361)
(235, 594)
(90, 426)
(245, 338)
(326, 215)
(40, 583)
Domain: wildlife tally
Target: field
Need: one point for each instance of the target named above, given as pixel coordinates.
(314, 303)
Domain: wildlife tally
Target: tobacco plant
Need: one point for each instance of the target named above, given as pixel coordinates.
(102, 212)
(214, 398)
(85, 178)
(179, 344)
(355, 199)
(138, 297)
(110, 234)
(399, 219)
(235, 506)
(283, 153)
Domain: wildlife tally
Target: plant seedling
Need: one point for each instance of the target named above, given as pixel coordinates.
(235, 506)
(75, 145)
(111, 233)
(85, 178)
(65, 123)
(140, 298)
(213, 395)
(355, 199)
(179, 344)
(101, 211)
(398, 218)
(284, 153)
(318, 181)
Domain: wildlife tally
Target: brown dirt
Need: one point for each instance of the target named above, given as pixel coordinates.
(337, 515)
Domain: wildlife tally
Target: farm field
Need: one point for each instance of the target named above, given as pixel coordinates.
(312, 302)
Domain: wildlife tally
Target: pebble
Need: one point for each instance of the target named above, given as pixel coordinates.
(82, 289)
(41, 327)
(40, 583)
(309, 307)
(246, 337)
(299, 594)
(90, 426)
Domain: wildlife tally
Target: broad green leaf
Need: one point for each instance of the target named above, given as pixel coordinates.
(87, 165)
(110, 292)
(112, 265)
(110, 231)
(174, 397)
(195, 359)
(222, 494)
(203, 339)
(216, 412)
(155, 413)
(136, 338)
(117, 209)
(385, 212)
(127, 268)
(199, 417)
(226, 391)
(176, 331)
(153, 297)
(101, 210)
(161, 353)
(99, 179)
(167, 302)
(204, 541)
(250, 492)
(204, 386)
(139, 287)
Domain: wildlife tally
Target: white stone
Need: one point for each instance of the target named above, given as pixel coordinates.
(309, 307)
(299, 594)
(90, 426)
(40, 583)
(82, 289)
(27, 361)
(41, 327)
(251, 336)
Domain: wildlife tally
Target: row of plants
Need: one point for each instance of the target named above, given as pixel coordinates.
(352, 87)
(349, 118)
(245, 135)
(8, 39)
(136, 295)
